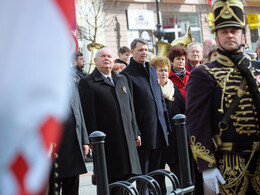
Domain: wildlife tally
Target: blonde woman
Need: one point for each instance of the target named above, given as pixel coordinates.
(175, 104)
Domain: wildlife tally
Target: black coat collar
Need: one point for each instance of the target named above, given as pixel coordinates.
(99, 77)
(140, 66)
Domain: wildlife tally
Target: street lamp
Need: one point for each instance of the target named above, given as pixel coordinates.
(158, 33)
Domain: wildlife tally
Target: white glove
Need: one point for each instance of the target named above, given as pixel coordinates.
(211, 178)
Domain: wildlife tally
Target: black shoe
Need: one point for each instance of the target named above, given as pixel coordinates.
(89, 155)
(88, 159)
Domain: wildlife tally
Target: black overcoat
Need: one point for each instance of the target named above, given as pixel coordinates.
(109, 109)
(149, 105)
(70, 156)
(170, 154)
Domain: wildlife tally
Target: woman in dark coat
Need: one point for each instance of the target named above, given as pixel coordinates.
(175, 104)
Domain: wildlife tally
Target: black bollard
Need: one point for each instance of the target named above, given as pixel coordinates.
(183, 153)
(97, 139)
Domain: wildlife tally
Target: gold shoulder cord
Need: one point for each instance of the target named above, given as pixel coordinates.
(221, 110)
(240, 92)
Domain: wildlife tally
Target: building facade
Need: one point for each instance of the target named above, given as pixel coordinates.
(129, 19)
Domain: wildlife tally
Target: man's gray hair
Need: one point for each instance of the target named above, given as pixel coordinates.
(96, 54)
(195, 43)
(135, 41)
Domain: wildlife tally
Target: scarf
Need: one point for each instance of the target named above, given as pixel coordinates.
(179, 73)
(234, 57)
(168, 90)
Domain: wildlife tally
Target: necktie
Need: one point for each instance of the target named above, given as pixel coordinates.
(110, 81)
(145, 69)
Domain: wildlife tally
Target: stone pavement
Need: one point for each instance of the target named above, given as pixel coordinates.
(86, 187)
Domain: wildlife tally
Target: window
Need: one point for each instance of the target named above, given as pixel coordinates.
(255, 34)
(176, 26)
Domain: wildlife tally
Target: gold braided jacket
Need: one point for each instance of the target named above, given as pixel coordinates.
(210, 91)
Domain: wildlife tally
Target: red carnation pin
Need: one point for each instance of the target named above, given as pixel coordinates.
(124, 89)
(258, 79)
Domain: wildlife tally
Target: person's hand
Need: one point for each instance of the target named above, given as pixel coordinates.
(138, 141)
(85, 149)
(211, 178)
(91, 146)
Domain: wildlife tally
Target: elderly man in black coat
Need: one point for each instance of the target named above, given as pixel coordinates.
(151, 113)
(108, 107)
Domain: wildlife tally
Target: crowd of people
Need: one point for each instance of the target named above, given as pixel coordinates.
(133, 99)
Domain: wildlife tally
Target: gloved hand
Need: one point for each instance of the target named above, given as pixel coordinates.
(211, 178)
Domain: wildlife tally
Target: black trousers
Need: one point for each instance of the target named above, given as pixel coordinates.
(149, 160)
(69, 185)
(174, 168)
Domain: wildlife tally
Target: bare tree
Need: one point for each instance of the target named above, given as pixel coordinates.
(93, 17)
(92, 20)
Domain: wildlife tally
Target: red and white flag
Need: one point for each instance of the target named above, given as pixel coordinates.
(211, 2)
(34, 60)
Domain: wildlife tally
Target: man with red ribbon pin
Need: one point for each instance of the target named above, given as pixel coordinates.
(108, 107)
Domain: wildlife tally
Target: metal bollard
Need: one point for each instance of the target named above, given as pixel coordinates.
(184, 161)
(97, 139)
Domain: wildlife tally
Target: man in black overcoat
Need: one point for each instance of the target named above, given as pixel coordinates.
(150, 110)
(108, 107)
(70, 159)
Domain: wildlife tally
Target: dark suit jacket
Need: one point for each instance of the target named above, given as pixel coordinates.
(110, 109)
(70, 156)
(150, 109)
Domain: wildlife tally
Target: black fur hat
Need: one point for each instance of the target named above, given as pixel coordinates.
(228, 13)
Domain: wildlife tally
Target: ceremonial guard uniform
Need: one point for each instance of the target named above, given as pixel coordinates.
(223, 111)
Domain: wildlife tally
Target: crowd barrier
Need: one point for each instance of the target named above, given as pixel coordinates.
(182, 186)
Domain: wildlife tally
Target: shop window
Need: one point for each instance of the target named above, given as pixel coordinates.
(176, 26)
(254, 37)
